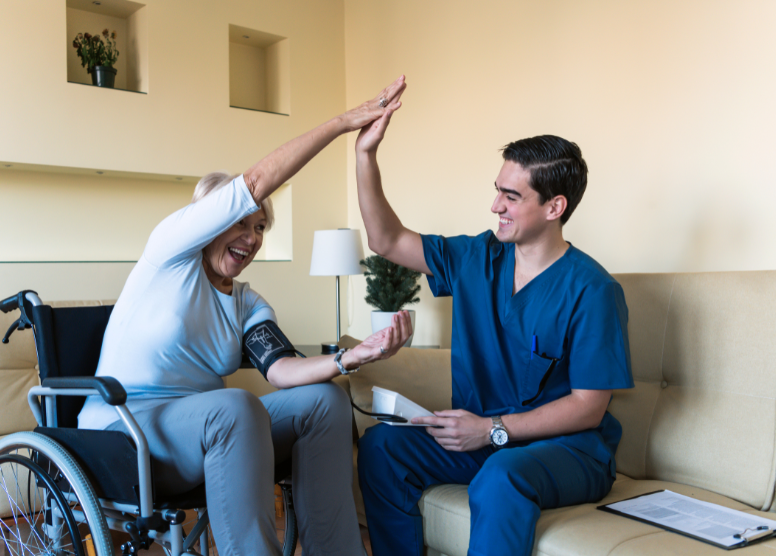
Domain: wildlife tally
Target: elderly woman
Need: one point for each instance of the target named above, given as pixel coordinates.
(178, 327)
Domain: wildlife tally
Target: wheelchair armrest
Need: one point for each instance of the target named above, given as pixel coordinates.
(109, 388)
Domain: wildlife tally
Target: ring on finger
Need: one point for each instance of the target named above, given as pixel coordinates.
(383, 102)
(382, 350)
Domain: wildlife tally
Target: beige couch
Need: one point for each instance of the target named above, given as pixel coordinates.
(701, 420)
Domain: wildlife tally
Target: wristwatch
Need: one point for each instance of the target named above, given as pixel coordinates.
(338, 361)
(498, 434)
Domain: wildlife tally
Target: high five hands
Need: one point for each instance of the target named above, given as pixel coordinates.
(385, 103)
(372, 133)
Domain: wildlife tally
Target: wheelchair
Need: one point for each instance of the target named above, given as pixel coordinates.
(67, 488)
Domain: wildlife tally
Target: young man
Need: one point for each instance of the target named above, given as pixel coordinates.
(539, 342)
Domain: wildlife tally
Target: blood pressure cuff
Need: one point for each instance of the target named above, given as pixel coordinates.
(265, 343)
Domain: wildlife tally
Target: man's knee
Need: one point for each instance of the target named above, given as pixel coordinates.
(384, 448)
(371, 446)
(506, 475)
(382, 439)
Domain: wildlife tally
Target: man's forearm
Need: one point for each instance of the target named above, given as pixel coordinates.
(580, 410)
(383, 227)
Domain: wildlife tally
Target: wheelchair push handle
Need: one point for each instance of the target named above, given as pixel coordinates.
(10, 304)
(23, 301)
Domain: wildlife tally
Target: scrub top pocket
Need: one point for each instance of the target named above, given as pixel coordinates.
(537, 374)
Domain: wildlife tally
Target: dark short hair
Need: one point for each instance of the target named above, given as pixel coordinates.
(556, 167)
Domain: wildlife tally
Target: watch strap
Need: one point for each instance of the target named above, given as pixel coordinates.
(338, 362)
(498, 425)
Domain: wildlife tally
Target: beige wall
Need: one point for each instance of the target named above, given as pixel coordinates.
(671, 103)
(182, 127)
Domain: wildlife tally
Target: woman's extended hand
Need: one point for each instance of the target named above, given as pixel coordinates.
(372, 110)
(390, 339)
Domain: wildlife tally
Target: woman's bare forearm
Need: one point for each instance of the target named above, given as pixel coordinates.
(296, 371)
(272, 171)
(291, 371)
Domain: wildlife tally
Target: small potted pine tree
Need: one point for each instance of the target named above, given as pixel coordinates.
(389, 288)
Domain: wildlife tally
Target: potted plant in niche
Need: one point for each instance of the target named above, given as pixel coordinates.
(389, 287)
(98, 54)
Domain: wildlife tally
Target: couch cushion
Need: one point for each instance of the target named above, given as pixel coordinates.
(422, 375)
(648, 297)
(578, 530)
(703, 411)
(16, 414)
(716, 420)
(19, 352)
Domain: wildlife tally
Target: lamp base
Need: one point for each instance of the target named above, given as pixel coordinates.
(329, 348)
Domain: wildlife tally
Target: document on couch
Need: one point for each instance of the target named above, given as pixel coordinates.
(694, 518)
(388, 402)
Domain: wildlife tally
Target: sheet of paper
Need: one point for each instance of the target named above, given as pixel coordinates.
(697, 518)
(393, 403)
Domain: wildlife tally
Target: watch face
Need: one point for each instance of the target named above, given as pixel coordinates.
(499, 437)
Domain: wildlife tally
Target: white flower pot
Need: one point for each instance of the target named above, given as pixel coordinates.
(382, 320)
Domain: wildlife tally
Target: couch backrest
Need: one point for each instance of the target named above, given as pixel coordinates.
(18, 371)
(703, 413)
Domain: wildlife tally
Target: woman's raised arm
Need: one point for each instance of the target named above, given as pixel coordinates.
(276, 168)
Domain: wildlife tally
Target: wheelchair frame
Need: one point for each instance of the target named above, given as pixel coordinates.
(164, 526)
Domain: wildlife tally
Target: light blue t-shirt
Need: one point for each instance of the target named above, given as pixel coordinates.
(171, 332)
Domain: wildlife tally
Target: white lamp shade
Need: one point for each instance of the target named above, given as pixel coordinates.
(336, 253)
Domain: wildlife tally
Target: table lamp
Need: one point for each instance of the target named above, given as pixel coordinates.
(336, 253)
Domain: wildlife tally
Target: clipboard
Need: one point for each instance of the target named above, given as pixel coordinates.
(694, 518)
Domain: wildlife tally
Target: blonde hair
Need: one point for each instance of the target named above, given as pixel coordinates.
(216, 180)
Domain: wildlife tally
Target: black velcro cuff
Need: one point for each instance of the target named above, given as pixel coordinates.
(264, 344)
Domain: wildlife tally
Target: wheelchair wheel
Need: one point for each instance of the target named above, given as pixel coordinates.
(48, 506)
(291, 533)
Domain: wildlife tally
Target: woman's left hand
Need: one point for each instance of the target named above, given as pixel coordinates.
(382, 344)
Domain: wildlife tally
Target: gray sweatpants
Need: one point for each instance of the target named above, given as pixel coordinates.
(225, 438)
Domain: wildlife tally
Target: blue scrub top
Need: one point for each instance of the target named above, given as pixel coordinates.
(566, 328)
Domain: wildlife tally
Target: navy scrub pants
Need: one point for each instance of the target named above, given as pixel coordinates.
(507, 488)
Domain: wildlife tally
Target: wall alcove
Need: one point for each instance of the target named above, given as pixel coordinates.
(259, 73)
(130, 21)
(110, 214)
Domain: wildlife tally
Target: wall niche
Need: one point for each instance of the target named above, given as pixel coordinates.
(259, 71)
(130, 21)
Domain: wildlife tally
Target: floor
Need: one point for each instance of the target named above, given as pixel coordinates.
(364, 537)
(156, 550)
